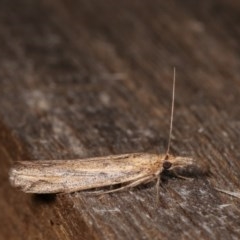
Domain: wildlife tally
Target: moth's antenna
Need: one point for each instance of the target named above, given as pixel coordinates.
(166, 165)
(172, 110)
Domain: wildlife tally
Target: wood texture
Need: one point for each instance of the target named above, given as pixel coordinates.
(93, 78)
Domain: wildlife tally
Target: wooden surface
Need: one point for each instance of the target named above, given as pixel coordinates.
(92, 78)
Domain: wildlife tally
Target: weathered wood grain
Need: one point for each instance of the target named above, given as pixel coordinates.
(92, 78)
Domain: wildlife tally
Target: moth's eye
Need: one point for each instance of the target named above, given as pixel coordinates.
(166, 165)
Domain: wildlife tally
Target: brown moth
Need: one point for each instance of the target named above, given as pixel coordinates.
(128, 170)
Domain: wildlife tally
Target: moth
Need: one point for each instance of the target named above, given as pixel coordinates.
(124, 170)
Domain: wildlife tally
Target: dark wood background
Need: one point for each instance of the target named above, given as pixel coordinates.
(92, 78)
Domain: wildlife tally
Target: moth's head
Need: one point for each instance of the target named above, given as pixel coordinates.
(166, 165)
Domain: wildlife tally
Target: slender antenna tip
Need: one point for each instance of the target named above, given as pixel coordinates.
(172, 111)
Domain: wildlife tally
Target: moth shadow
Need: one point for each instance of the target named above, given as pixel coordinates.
(44, 198)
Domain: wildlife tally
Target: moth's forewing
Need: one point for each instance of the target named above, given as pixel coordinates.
(54, 176)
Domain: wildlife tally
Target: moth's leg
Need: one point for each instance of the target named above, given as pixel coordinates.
(131, 184)
(157, 189)
(181, 177)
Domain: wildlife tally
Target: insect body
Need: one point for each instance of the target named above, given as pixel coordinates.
(54, 176)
